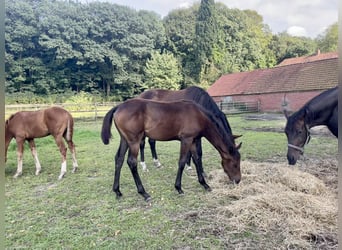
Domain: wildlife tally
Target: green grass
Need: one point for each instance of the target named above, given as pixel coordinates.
(82, 212)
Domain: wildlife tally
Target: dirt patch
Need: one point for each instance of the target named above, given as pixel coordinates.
(274, 207)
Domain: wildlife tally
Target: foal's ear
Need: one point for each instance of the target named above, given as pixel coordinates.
(236, 136)
(239, 146)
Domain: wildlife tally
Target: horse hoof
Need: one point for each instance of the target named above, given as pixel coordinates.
(17, 175)
(74, 170)
(118, 194)
(37, 173)
(148, 199)
(157, 163)
(180, 191)
(60, 177)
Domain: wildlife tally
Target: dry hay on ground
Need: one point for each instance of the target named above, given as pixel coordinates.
(275, 207)
(325, 169)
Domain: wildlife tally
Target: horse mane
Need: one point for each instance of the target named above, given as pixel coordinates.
(201, 97)
(220, 126)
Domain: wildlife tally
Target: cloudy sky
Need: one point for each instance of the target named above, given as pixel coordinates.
(297, 17)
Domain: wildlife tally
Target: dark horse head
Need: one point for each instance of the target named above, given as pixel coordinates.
(298, 135)
(320, 110)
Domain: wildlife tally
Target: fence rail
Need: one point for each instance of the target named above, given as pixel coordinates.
(91, 111)
(239, 107)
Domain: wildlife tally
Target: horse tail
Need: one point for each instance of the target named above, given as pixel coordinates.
(69, 131)
(106, 126)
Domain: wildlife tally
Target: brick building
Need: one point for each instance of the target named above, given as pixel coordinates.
(288, 85)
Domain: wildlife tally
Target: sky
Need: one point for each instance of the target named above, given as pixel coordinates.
(298, 17)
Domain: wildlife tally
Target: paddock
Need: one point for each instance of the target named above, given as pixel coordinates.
(275, 206)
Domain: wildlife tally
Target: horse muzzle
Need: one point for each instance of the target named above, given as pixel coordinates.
(291, 160)
(236, 181)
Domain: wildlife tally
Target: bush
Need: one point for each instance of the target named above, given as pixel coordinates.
(24, 98)
(67, 97)
(77, 101)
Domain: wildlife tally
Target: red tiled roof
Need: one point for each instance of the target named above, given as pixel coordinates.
(306, 59)
(300, 75)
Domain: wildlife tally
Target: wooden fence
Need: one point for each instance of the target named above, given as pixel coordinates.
(94, 111)
(85, 111)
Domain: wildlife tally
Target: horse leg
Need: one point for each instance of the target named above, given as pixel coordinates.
(72, 149)
(142, 155)
(199, 156)
(62, 150)
(199, 167)
(132, 163)
(152, 143)
(20, 152)
(188, 161)
(185, 147)
(119, 159)
(35, 156)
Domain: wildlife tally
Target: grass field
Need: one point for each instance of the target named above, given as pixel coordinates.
(81, 211)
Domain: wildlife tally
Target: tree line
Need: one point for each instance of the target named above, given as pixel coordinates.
(58, 48)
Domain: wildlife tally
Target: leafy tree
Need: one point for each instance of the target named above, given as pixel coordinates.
(328, 41)
(162, 72)
(58, 47)
(243, 41)
(20, 36)
(180, 32)
(55, 46)
(287, 46)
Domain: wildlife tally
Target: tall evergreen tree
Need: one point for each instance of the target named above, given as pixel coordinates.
(205, 38)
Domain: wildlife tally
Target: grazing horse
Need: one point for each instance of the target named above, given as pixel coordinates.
(193, 93)
(320, 110)
(184, 121)
(27, 125)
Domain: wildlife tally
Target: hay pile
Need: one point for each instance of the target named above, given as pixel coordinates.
(274, 207)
